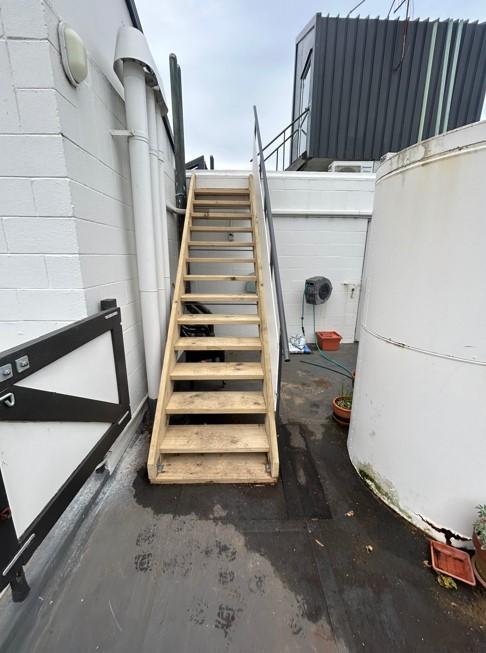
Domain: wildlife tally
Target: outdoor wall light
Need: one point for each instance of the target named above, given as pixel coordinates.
(73, 54)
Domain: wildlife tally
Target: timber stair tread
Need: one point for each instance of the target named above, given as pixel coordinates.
(202, 371)
(218, 344)
(220, 298)
(215, 468)
(244, 204)
(216, 403)
(219, 277)
(218, 318)
(221, 191)
(220, 215)
(219, 259)
(229, 229)
(214, 244)
(215, 438)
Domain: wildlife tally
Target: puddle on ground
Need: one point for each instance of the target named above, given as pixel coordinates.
(235, 584)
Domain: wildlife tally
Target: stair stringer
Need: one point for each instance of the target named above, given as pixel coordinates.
(166, 384)
(270, 421)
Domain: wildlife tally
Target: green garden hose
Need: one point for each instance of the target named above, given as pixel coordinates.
(327, 358)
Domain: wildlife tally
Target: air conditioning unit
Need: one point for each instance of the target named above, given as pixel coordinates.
(351, 166)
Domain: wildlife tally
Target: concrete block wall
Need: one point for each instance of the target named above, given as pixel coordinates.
(329, 247)
(321, 221)
(37, 227)
(66, 224)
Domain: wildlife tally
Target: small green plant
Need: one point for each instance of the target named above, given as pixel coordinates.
(345, 400)
(480, 525)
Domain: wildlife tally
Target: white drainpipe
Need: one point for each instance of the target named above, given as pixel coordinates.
(163, 209)
(157, 212)
(138, 144)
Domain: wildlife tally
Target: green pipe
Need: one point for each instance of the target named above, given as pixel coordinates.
(178, 126)
(427, 82)
(452, 80)
(443, 77)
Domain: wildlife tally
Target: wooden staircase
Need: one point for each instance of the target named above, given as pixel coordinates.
(223, 432)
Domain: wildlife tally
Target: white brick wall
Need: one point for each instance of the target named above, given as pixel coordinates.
(329, 247)
(66, 225)
(36, 219)
(321, 221)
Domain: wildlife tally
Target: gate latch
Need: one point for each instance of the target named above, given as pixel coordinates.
(8, 399)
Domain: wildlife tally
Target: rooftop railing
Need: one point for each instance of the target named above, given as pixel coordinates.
(274, 266)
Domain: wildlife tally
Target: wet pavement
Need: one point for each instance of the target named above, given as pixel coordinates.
(315, 563)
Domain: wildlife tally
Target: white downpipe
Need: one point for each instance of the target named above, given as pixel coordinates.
(163, 209)
(156, 212)
(138, 148)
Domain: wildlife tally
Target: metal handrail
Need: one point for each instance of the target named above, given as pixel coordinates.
(285, 129)
(295, 132)
(274, 266)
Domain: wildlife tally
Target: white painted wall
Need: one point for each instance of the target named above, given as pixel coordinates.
(66, 230)
(41, 287)
(66, 223)
(321, 221)
(58, 447)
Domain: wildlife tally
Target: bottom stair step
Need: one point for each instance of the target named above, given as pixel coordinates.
(214, 468)
(215, 438)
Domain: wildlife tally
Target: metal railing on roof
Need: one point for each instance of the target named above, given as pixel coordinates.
(298, 131)
(274, 266)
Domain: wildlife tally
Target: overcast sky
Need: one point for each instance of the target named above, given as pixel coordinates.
(236, 53)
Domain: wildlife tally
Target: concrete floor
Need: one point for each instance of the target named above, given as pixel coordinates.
(237, 568)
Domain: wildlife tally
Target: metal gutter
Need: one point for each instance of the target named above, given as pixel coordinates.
(132, 10)
(316, 213)
(135, 18)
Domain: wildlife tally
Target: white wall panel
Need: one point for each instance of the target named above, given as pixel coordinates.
(66, 223)
(23, 445)
(94, 376)
(313, 239)
(307, 248)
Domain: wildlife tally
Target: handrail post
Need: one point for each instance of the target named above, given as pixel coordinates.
(273, 247)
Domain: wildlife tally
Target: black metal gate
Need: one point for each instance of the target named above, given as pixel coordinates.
(23, 404)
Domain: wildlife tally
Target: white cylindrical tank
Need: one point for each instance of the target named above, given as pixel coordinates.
(418, 428)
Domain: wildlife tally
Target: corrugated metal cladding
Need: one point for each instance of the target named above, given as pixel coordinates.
(369, 82)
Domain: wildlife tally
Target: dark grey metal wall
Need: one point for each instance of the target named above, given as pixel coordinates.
(368, 81)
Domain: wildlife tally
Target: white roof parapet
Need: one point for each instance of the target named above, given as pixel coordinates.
(131, 44)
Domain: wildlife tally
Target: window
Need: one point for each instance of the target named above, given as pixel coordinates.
(304, 103)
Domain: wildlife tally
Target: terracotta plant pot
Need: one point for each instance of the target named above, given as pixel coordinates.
(480, 558)
(328, 340)
(341, 413)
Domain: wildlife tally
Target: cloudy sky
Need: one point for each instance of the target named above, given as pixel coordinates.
(236, 53)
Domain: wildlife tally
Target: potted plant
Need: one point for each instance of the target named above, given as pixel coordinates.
(479, 541)
(341, 407)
